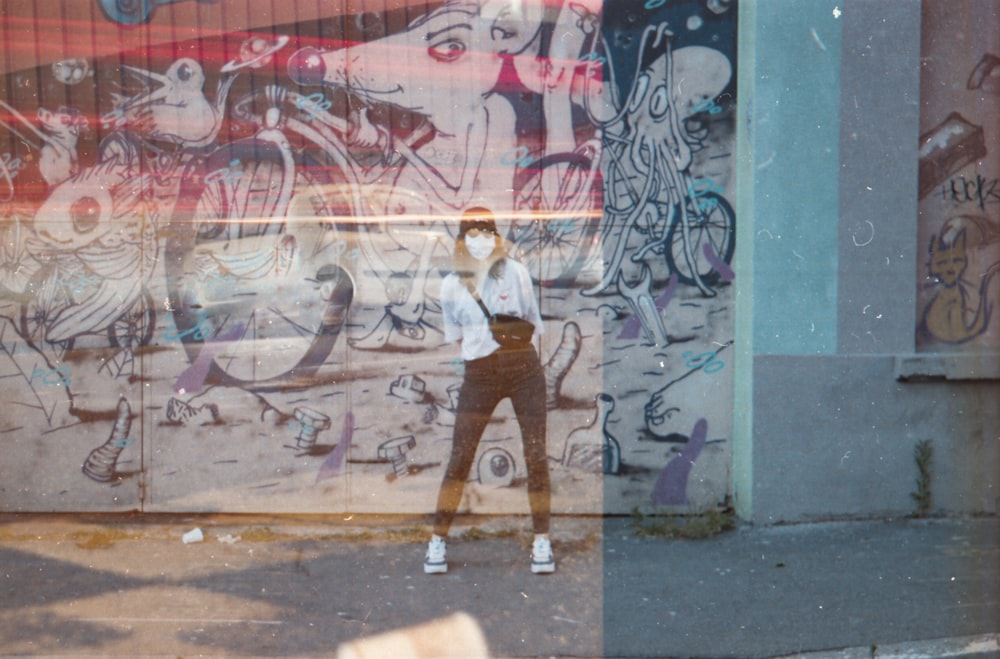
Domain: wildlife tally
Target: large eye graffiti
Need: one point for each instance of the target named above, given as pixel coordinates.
(86, 214)
(496, 467)
(369, 21)
(448, 50)
(659, 103)
(500, 34)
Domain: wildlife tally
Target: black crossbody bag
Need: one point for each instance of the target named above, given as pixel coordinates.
(509, 331)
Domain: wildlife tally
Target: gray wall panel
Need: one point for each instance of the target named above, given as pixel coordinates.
(880, 111)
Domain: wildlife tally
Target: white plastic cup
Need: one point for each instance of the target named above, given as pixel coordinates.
(194, 535)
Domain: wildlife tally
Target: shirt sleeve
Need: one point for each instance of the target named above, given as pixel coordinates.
(449, 310)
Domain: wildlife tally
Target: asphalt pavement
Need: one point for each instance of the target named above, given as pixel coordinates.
(76, 585)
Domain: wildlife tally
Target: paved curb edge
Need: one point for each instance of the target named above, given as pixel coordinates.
(984, 645)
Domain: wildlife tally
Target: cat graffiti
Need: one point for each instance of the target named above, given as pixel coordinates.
(958, 311)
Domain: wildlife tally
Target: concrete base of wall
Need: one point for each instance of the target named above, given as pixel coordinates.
(835, 437)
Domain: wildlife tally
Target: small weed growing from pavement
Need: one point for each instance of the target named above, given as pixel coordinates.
(259, 534)
(103, 539)
(404, 534)
(923, 455)
(476, 533)
(707, 524)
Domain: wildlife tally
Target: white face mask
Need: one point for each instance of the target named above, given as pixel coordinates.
(480, 247)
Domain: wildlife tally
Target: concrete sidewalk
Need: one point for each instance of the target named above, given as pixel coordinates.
(288, 586)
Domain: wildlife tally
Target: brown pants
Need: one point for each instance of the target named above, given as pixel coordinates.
(514, 374)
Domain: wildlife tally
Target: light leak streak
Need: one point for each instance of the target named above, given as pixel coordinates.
(815, 36)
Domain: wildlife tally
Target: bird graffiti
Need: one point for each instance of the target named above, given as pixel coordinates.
(173, 107)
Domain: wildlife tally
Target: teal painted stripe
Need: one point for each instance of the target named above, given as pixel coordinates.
(794, 135)
(742, 483)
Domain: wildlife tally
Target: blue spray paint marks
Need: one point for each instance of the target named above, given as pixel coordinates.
(670, 488)
(708, 362)
(51, 376)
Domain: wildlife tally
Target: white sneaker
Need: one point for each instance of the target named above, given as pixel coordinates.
(542, 560)
(434, 560)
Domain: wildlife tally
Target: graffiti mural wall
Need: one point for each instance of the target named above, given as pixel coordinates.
(959, 187)
(222, 258)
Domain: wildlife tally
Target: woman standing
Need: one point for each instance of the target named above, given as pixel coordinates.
(492, 372)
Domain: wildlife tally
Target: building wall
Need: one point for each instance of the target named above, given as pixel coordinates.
(840, 398)
(795, 385)
(187, 326)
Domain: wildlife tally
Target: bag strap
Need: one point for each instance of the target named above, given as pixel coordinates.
(475, 296)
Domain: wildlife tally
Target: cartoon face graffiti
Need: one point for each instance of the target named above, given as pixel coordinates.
(667, 91)
(456, 54)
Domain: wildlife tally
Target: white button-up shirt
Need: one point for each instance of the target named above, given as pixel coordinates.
(512, 293)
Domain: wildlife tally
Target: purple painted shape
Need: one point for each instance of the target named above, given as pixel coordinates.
(725, 272)
(630, 330)
(668, 294)
(670, 488)
(193, 377)
(333, 463)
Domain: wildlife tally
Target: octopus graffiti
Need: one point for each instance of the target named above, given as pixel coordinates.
(221, 259)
